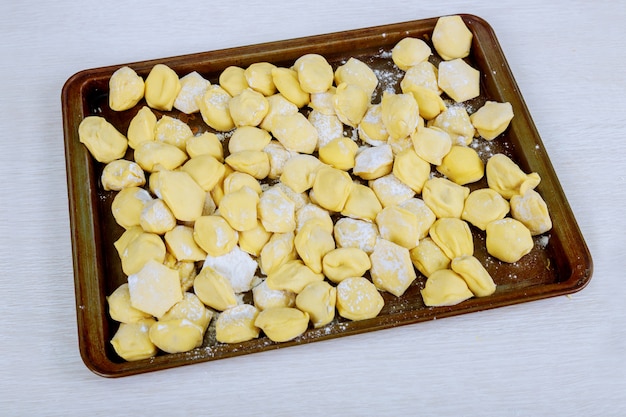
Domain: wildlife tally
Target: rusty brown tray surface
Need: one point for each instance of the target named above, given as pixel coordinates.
(559, 264)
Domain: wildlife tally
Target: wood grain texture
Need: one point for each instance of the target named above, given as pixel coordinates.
(561, 356)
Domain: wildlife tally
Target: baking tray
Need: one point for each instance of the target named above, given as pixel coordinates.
(560, 262)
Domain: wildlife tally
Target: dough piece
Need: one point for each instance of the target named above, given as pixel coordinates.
(219, 190)
(122, 173)
(126, 88)
(248, 138)
(399, 226)
(332, 187)
(278, 157)
(295, 132)
(399, 113)
(248, 108)
(323, 102)
(458, 80)
(354, 233)
(161, 87)
(342, 263)
(240, 209)
(431, 144)
(425, 216)
(190, 308)
(292, 276)
(299, 172)
(215, 110)
(411, 170)
(277, 211)
(286, 81)
(531, 210)
(209, 205)
(233, 80)
(506, 177)
(120, 308)
(156, 156)
(141, 127)
(214, 235)
(314, 213)
(145, 247)
(214, 290)
(264, 297)
(462, 165)
(237, 266)
(475, 275)
(427, 257)
(423, 74)
(281, 324)
(156, 217)
(492, 119)
(508, 239)
(128, 204)
(453, 236)
(358, 299)
(186, 271)
(104, 142)
(131, 341)
(176, 335)
(372, 129)
(235, 181)
(299, 199)
(456, 122)
(358, 73)
(182, 194)
(180, 243)
(328, 127)
(128, 236)
(236, 324)
(390, 190)
(445, 288)
(483, 206)
(350, 103)
(155, 288)
(255, 163)
(318, 300)
(312, 243)
(278, 250)
(207, 143)
(259, 77)
(409, 52)
(252, 241)
(392, 270)
(314, 73)
(444, 197)
(362, 203)
(428, 101)
(451, 38)
(278, 106)
(205, 170)
(192, 88)
(373, 162)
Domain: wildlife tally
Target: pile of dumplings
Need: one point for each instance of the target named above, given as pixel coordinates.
(276, 200)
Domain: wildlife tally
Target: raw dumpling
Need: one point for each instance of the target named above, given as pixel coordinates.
(392, 270)
(483, 206)
(475, 275)
(453, 236)
(445, 288)
(358, 299)
(531, 210)
(508, 239)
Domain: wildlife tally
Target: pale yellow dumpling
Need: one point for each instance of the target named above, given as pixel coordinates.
(126, 88)
(214, 290)
(278, 250)
(318, 300)
(428, 257)
(314, 73)
(248, 138)
(456, 122)
(206, 170)
(508, 239)
(182, 194)
(142, 249)
(131, 340)
(350, 103)
(373, 162)
(410, 52)
(299, 172)
(122, 173)
(445, 288)
(236, 324)
(355, 233)
(255, 163)
(248, 108)
(292, 276)
(281, 324)
(278, 106)
(371, 128)
(264, 297)
(444, 197)
(342, 263)
(424, 215)
(399, 226)
(155, 288)
(313, 213)
(128, 236)
(277, 211)
(391, 270)
(259, 77)
(492, 119)
(339, 153)
(233, 80)
(237, 180)
(412, 170)
(120, 308)
(323, 102)
(278, 156)
(459, 80)
(206, 143)
(483, 206)
(156, 217)
(362, 203)
(104, 142)
(400, 114)
(214, 235)
(328, 127)
(332, 187)
(390, 190)
(141, 127)
(358, 73)
(128, 204)
(193, 86)
(429, 102)
(475, 275)
(239, 208)
(161, 87)
(462, 165)
(451, 37)
(531, 210)
(507, 178)
(431, 144)
(180, 243)
(312, 243)
(423, 74)
(358, 299)
(156, 156)
(253, 240)
(286, 81)
(214, 108)
(295, 132)
(176, 335)
(453, 236)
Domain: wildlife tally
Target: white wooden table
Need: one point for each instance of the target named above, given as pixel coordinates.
(560, 356)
